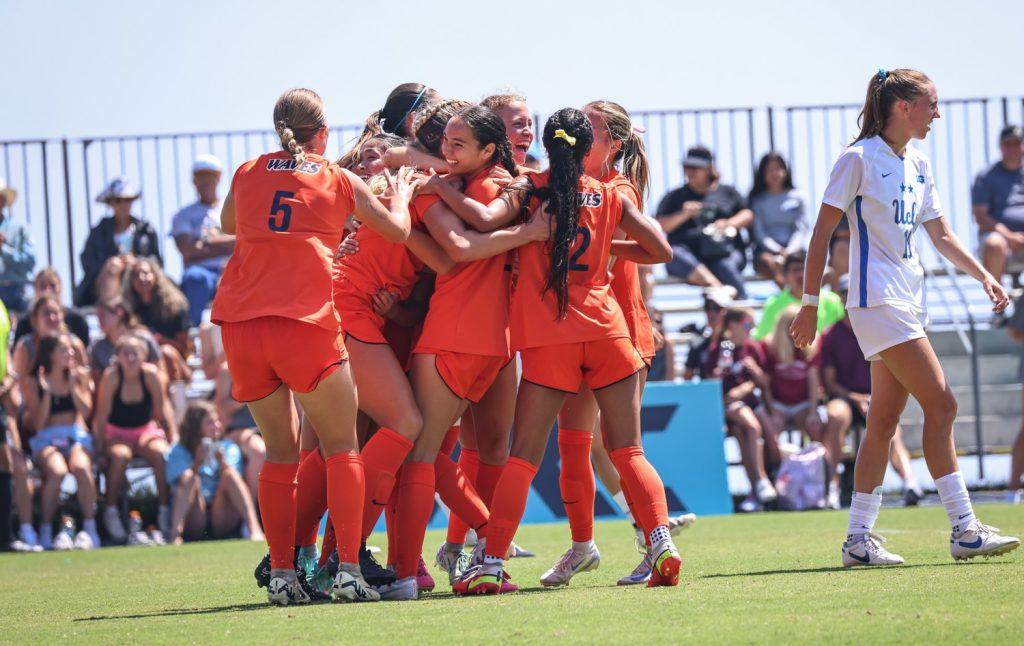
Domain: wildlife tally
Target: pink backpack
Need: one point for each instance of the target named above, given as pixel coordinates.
(802, 482)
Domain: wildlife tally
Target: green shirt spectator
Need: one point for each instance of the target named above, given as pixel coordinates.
(830, 310)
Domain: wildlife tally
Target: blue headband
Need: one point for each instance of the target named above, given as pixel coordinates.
(412, 107)
(882, 74)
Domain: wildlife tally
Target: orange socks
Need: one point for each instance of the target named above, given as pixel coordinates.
(486, 480)
(576, 482)
(345, 488)
(450, 438)
(415, 506)
(276, 495)
(382, 457)
(509, 505)
(458, 493)
(469, 464)
(642, 486)
(391, 521)
(311, 499)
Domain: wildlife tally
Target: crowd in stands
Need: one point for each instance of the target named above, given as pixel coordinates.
(100, 405)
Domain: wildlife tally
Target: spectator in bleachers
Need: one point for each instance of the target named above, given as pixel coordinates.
(781, 223)
(119, 234)
(116, 320)
(129, 414)
(45, 317)
(737, 360)
(17, 255)
(846, 377)
(792, 399)
(205, 472)
(240, 428)
(715, 302)
(57, 402)
(1015, 328)
(48, 283)
(204, 247)
(704, 221)
(663, 364)
(997, 199)
(838, 254)
(161, 307)
(830, 308)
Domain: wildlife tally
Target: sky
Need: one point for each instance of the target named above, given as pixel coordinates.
(76, 68)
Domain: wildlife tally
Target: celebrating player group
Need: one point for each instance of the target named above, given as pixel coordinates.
(374, 308)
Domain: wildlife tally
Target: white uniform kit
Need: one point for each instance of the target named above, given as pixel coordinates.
(886, 198)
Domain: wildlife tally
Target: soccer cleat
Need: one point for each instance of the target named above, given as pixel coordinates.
(978, 540)
(641, 573)
(424, 581)
(912, 496)
(401, 590)
(156, 536)
(485, 579)
(518, 552)
(373, 573)
(666, 563)
(115, 528)
(284, 589)
(866, 549)
(751, 504)
(139, 538)
(351, 586)
(571, 564)
(323, 580)
(83, 541)
(308, 563)
(262, 572)
(765, 491)
(461, 586)
(454, 563)
(63, 542)
(678, 523)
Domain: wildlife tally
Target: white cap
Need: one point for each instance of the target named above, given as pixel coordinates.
(206, 161)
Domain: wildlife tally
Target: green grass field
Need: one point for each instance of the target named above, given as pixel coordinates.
(757, 578)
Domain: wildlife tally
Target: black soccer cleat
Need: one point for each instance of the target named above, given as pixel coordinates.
(373, 573)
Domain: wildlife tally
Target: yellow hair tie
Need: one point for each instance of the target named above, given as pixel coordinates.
(569, 139)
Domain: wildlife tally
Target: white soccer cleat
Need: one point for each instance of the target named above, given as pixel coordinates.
(980, 540)
(63, 542)
(284, 589)
(139, 538)
(401, 590)
(115, 528)
(677, 524)
(866, 549)
(349, 587)
(83, 541)
(571, 564)
(765, 491)
(455, 564)
(641, 573)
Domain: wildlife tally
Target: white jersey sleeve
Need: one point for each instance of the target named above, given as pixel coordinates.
(931, 206)
(844, 184)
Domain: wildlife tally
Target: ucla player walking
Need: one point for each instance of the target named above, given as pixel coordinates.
(886, 189)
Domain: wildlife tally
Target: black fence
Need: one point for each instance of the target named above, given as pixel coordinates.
(59, 179)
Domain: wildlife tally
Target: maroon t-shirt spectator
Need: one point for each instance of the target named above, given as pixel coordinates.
(839, 349)
(733, 373)
(789, 380)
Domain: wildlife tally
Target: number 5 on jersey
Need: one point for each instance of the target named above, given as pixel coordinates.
(282, 209)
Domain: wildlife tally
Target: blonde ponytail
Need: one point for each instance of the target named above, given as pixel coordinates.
(633, 154)
(298, 116)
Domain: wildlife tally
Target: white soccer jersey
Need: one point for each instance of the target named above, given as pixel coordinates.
(886, 197)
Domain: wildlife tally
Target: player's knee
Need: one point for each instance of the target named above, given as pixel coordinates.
(995, 243)
(943, 411)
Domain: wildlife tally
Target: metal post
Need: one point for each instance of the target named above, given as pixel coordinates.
(976, 388)
(67, 210)
(46, 205)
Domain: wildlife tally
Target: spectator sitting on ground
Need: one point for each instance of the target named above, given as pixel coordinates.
(1015, 328)
(830, 306)
(704, 221)
(204, 247)
(846, 377)
(781, 224)
(240, 428)
(57, 402)
(997, 200)
(161, 307)
(737, 360)
(48, 283)
(115, 235)
(129, 409)
(715, 302)
(46, 317)
(204, 471)
(17, 255)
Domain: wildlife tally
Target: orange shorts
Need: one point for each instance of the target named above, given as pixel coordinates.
(566, 366)
(469, 376)
(358, 318)
(265, 352)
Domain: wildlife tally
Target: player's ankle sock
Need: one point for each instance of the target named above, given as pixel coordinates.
(276, 493)
(458, 493)
(643, 486)
(659, 534)
(382, 457)
(576, 482)
(956, 500)
(450, 438)
(46, 535)
(508, 506)
(415, 506)
(469, 463)
(454, 548)
(582, 547)
(345, 491)
(864, 508)
(310, 498)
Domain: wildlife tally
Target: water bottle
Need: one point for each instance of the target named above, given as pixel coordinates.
(212, 446)
(67, 526)
(726, 360)
(134, 522)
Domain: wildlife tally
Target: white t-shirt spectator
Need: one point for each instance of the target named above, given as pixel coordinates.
(196, 220)
(886, 197)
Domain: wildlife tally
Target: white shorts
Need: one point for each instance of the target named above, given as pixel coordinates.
(884, 326)
(789, 411)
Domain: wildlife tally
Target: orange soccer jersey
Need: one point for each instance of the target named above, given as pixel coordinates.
(289, 219)
(626, 283)
(593, 313)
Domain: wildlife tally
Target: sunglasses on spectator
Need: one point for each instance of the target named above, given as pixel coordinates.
(712, 307)
(120, 200)
(748, 325)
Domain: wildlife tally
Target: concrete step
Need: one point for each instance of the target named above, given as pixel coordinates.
(993, 369)
(989, 341)
(1000, 400)
(996, 431)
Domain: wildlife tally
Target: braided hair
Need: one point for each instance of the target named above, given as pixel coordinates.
(428, 126)
(562, 192)
(488, 128)
(298, 115)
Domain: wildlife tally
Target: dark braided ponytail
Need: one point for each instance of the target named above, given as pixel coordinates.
(428, 126)
(567, 140)
(488, 128)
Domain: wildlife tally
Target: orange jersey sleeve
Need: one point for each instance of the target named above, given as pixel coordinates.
(626, 282)
(289, 219)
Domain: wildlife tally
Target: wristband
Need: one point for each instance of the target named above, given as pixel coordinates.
(809, 299)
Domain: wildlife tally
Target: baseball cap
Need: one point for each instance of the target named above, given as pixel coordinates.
(206, 161)
(720, 296)
(1011, 132)
(698, 157)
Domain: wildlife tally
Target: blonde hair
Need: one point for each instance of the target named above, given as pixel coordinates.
(371, 128)
(298, 115)
(503, 100)
(780, 342)
(632, 154)
(884, 89)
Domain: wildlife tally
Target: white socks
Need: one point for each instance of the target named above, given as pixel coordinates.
(864, 511)
(660, 534)
(582, 547)
(954, 496)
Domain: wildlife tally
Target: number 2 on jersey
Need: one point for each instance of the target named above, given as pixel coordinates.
(285, 211)
(574, 265)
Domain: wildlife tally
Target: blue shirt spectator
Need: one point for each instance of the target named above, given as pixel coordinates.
(179, 460)
(997, 200)
(17, 255)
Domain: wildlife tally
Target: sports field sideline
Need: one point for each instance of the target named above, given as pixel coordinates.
(753, 578)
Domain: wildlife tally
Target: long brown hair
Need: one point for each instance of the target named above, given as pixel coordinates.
(884, 89)
(632, 154)
(192, 424)
(168, 300)
(298, 115)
